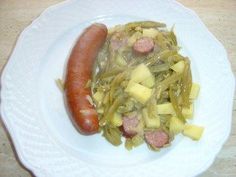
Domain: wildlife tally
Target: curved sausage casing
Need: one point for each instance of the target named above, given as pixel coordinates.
(79, 71)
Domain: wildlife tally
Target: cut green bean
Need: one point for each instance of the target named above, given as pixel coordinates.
(175, 105)
(144, 24)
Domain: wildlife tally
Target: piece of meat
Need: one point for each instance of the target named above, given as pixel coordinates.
(129, 126)
(79, 71)
(143, 46)
(156, 138)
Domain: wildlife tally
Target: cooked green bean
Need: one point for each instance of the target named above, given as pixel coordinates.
(160, 68)
(173, 37)
(117, 81)
(162, 55)
(186, 85)
(110, 73)
(113, 135)
(176, 107)
(108, 114)
(163, 85)
(144, 24)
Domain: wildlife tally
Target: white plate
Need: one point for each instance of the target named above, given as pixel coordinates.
(33, 111)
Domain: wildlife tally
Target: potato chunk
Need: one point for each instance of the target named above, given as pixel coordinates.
(194, 91)
(176, 125)
(140, 73)
(138, 92)
(193, 131)
(150, 122)
(178, 67)
(165, 108)
(149, 82)
(188, 112)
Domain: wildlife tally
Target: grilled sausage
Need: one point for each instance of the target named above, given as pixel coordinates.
(79, 71)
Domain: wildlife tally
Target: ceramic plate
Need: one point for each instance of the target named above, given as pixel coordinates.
(33, 111)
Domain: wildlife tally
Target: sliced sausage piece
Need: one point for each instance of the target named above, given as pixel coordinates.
(129, 126)
(79, 71)
(143, 46)
(157, 138)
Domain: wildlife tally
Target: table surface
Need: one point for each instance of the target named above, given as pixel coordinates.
(218, 15)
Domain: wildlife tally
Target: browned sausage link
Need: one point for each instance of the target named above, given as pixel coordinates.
(79, 71)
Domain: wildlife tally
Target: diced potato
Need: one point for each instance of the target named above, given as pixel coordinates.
(116, 120)
(149, 82)
(130, 85)
(134, 38)
(178, 67)
(140, 73)
(139, 92)
(150, 122)
(165, 108)
(98, 96)
(176, 125)
(120, 60)
(193, 131)
(151, 32)
(188, 112)
(194, 91)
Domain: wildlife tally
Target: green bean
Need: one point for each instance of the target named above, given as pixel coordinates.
(110, 112)
(165, 119)
(137, 140)
(175, 105)
(151, 108)
(175, 58)
(117, 80)
(162, 55)
(168, 81)
(158, 92)
(160, 68)
(110, 73)
(118, 91)
(144, 24)
(127, 107)
(173, 37)
(128, 144)
(186, 85)
(106, 99)
(113, 135)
